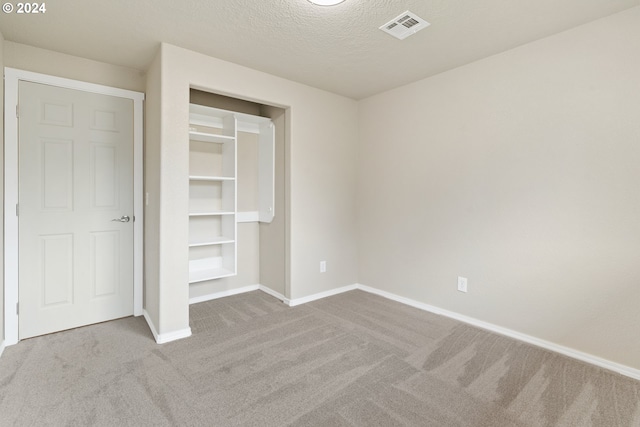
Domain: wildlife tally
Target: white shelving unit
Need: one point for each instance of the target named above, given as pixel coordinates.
(213, 215)
(212, 195)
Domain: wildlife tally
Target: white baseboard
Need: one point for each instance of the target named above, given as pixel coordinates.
(325, 294)
(228, 293)
(167, 337)
(275, 294)
(1, 347)
(173, 336)
(267, 290)
(150, 324)
(566, 351)
(223, 294)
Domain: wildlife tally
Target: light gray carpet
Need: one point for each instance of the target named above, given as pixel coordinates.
(352, 359)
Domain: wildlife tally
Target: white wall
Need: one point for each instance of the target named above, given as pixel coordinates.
(520, 172)
(323, 135)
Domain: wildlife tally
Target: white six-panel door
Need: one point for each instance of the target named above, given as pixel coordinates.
(75, 196)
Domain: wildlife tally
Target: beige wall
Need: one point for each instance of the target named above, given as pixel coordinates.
(44, 61)
(274, 236)
(323, 132)
(153, 129)
(519, 172)
(2, 42)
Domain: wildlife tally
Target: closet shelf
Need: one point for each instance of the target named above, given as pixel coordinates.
(211, 213)
(212, 241)
(209, 274)
(210, 137)
(211, 178)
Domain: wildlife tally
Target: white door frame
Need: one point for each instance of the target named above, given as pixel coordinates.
(11, 286)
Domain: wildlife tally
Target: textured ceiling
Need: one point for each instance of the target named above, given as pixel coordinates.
(337, 48)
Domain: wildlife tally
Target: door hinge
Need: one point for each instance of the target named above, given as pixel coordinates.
(17, 209)
(17, 111)
(17, 308)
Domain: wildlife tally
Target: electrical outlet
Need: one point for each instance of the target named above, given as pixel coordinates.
(462, 284)
(323, 266)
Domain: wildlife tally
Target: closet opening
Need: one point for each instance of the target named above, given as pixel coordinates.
(237, 197)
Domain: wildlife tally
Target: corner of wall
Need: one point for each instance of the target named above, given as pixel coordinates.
(171, 162)
(167, 337)
(152, 192)
(2, 198)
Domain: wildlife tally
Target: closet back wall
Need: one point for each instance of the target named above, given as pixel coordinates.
(273, 235)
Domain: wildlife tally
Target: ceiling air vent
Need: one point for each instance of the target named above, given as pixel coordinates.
(404, 25)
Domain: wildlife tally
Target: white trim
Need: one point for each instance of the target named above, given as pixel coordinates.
(168, 337)
(547, 345)
(11, 78)
(1, 347)
(138, 205)
(10, 202)
(150, 324)
(229, 292)
(249, 216)
(275, 294)
(566, 351)
(16, 74)
(173, 336)
(320, 295)
(222, 294)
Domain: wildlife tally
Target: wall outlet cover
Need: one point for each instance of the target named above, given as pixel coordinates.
(462, 284)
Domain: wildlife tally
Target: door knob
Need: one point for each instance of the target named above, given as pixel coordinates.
(123, 218)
